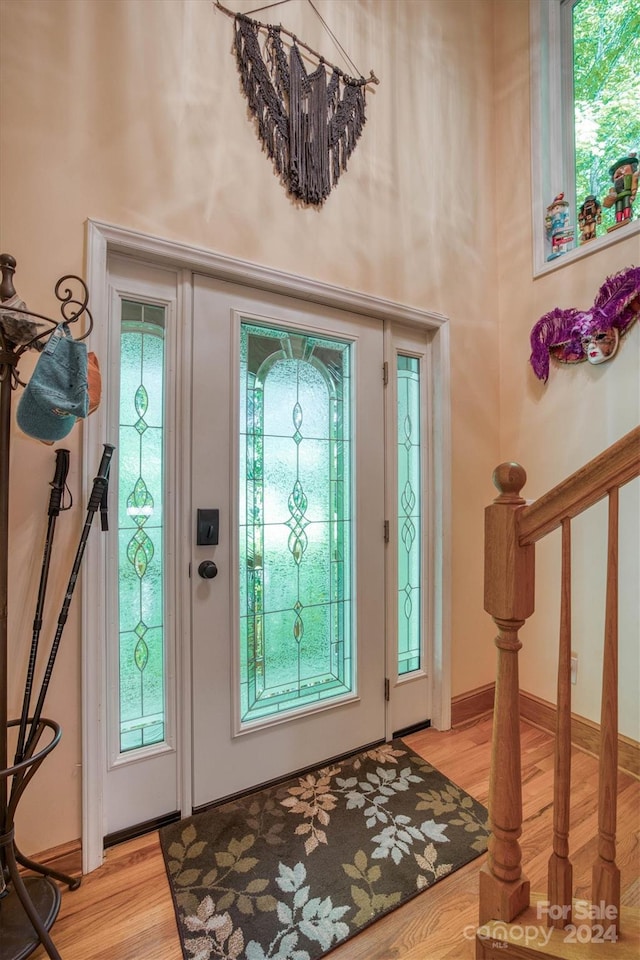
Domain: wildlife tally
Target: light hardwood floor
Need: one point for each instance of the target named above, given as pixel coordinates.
(123, 910)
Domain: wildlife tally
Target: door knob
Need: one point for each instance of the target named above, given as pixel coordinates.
(208, 570)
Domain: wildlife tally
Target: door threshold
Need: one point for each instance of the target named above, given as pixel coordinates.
(414, 728)
(139, 829)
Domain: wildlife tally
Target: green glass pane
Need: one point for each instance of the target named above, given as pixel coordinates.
(281, 650)
(130, 689)
(315, 659)
(153, 358)
(151, 454)
(341, 556)
(151, 585)
(153, 675)
(606, 94)
(314, 578)
(279, 466)
(280, 571)
(131, 741)
(131, 310)
(281, 399)
(313, 390)
(242, 491)
(140, 527)
(314, 471)
(409, 514)
(295, 536)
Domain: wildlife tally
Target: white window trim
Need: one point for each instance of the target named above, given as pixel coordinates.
(550, 132)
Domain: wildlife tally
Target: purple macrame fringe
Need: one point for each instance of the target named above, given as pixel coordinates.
(311, 144)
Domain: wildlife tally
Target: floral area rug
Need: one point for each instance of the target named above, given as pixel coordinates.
(293, 870)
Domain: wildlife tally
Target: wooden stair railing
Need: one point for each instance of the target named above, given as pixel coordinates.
(512, 527)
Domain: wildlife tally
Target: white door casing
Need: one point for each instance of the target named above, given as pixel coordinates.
(103, 240)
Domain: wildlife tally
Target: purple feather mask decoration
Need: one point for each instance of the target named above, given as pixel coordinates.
(572, 335)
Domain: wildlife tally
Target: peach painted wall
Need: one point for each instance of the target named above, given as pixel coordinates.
(553, 429)
(130, 112)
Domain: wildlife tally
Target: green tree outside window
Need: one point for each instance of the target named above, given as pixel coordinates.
(606, 92)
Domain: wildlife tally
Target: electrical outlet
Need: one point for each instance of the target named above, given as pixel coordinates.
(574, 667)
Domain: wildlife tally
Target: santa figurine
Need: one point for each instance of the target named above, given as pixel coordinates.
(559, 232)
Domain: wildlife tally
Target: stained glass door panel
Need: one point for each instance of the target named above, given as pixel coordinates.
(409, 445)
(289, 637)
(410, 611)
(295, 521)
(140, 525)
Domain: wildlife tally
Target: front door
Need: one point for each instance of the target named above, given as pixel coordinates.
(288, 613)
(270, 411)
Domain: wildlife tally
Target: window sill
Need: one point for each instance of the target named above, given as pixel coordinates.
(586, 249)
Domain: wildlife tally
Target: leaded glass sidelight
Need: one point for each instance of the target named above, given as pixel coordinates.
(409, 519)
(296, 642)
(140, 526)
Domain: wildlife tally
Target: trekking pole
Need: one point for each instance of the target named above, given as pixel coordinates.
(97, 499)
(55, 499)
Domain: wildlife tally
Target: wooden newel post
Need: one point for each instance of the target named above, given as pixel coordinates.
(509, 573)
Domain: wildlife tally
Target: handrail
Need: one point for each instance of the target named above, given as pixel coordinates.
(512, 528)
(619, 464)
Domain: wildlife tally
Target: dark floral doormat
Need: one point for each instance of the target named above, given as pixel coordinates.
(290, 872)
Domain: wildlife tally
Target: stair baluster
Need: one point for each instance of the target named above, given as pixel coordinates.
(560, 882)
(605, 891)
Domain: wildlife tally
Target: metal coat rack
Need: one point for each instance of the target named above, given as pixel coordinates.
(29, 904)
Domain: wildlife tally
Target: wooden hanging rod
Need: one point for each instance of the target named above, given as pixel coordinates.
(265, 26)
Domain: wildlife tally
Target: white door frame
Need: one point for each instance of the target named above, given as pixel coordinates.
(103, 239)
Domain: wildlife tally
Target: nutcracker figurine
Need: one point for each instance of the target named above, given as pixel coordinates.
(559, 232)
(624, 174)
(589, 216)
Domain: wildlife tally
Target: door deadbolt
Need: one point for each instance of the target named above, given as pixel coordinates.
(207, 525)
(207, 570)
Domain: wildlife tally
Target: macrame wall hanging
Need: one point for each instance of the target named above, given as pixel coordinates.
(308, 125)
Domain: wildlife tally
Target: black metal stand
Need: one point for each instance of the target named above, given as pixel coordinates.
(28, 905)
